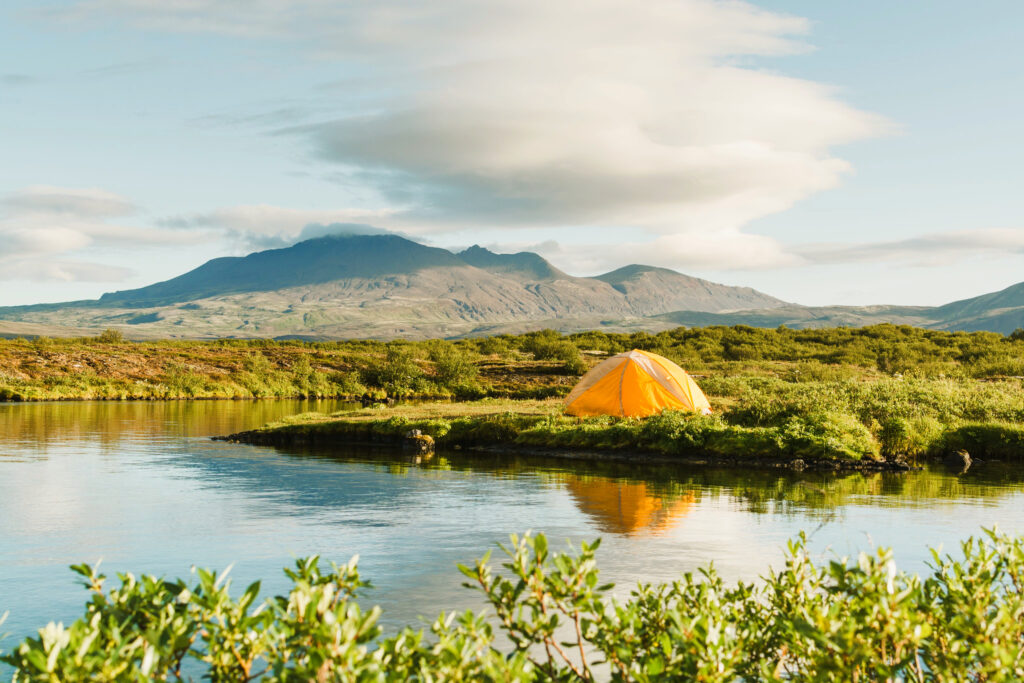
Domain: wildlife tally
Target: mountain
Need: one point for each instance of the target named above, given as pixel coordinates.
(649, 288)
(384, 286)
(525, 264)
(1001, 311)
(313, 262)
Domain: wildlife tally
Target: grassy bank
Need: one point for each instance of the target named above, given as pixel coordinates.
(765, 419)
(840, 621)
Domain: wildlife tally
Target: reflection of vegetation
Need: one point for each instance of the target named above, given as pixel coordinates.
(666, 484)
(865, 621)
(112, 423)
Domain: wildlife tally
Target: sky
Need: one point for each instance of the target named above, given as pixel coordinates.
(822, 152)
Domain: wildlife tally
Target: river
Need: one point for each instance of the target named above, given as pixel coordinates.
(141, 486)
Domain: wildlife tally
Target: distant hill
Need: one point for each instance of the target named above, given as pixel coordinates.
(799, 317)
(383, 286)
(1001, 311)
(648, 288)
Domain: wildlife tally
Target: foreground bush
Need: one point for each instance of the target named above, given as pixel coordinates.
(863, 621)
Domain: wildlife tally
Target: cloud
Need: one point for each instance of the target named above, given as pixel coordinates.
(509, 113)
(13, 79)
(63, 271)
(937, 249)
(261, 226)
(738, 250)
(81, 203)
(713, 250)
(587, 113)
(123, 68)
(45, 231)
(40, 226)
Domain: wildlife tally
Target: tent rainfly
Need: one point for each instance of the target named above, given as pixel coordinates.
(635, 384)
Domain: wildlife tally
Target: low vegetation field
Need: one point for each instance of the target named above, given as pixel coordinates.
(882, 392)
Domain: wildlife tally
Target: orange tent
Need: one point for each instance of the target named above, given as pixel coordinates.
(636, 384)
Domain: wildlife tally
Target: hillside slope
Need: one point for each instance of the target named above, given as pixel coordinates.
(647, 288)
(383, 286)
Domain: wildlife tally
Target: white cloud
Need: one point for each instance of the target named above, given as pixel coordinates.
(712, 250)
(726, 250)
(527, 112)
(63, 271)
(506, 113)
(260, 226)
(936, 249)
(40, 226)
(79, 203)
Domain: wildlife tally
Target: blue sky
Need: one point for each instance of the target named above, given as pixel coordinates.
(822, 152)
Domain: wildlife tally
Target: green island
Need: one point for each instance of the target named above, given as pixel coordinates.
(878, 396)
(837, 621)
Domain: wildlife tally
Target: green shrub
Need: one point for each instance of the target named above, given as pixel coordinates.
(544, 344)
(913, 436)
(572, 360)
(110, 336)
(557, 621)
(453, 367)
(826, 435)
(182, 382)
(989, 440)
(346, 384)
(399, 374)
(494, 346)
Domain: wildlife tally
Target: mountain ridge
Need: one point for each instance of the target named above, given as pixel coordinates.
(384, 285)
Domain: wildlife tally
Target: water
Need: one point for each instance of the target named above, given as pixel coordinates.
(141, 486)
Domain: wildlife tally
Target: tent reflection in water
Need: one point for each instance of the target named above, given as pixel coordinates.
(630, 508)
(636, 384)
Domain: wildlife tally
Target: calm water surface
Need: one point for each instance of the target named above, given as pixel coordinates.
(142, 486)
